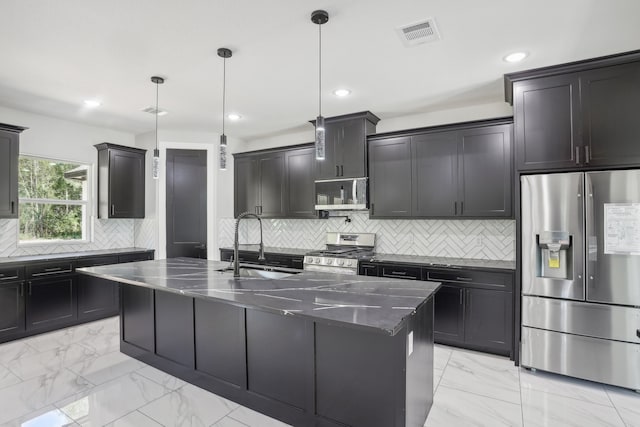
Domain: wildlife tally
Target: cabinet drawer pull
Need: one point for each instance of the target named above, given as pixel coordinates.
(587, 155)
(464, 279)
(577, 155)
(399, 273)
(49, 270)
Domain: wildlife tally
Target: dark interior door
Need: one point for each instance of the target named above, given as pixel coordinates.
(187, 203)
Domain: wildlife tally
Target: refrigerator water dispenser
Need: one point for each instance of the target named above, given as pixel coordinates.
(555, 254)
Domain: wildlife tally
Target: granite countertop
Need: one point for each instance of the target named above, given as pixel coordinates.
(446, 262)
(72, 255)
(379, 304)
(270, 250)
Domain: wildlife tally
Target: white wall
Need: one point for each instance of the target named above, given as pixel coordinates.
(65, 140)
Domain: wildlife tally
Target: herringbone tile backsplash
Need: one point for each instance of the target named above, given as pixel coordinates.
(107, 234)
(477, 239)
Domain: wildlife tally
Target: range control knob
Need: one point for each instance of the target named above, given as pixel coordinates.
(328, 261)
(349, 263)
(340, 262)
(317, 260)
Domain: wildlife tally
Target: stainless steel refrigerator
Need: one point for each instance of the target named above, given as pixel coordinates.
(581, 275)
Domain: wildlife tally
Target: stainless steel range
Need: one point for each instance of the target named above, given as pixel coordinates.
(343, 252)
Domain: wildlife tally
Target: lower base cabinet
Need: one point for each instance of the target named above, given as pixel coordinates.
(51, 302)
(12, 320)
(488, 319)
(449, 315)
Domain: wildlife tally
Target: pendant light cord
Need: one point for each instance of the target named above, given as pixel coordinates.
(224, 89)
(319, 70)
(157, 93)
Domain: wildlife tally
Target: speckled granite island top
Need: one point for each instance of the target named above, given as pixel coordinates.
(360, 301)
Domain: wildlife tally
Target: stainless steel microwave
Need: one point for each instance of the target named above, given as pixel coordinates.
(341, 194)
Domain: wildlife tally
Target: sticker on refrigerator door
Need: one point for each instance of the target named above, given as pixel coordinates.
(622, 228)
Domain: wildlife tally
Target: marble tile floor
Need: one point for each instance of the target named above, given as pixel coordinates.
(78, 377)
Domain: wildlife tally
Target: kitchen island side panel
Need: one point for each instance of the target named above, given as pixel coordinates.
(391, 388)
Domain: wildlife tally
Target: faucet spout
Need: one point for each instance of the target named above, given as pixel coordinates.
(236, 262)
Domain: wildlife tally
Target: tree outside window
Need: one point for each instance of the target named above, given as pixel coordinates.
(53, 200)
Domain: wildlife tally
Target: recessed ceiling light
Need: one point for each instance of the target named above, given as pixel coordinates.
(234, 116)
(515, 56)
(341, 92)
(92, 103)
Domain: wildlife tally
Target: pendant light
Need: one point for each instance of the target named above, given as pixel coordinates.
(320, 17)
(223, 53)
(156, 153)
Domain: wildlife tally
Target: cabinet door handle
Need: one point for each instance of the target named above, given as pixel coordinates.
(638, 332)
(13, 207)
(30, 286)
(373, 205)
(587, 155)
(341, 170)
(464, 279)
(577, 155)
(113, 209)
(455, 208)
(337, 170)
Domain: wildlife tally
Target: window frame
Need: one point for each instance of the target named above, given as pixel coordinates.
(87, 221)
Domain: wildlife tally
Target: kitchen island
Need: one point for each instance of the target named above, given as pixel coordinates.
(311, 349)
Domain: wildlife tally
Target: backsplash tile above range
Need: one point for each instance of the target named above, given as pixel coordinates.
(477, 239)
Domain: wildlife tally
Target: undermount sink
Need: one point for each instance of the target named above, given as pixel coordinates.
(261, 271)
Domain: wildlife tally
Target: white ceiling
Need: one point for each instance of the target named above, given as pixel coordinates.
(57, 53)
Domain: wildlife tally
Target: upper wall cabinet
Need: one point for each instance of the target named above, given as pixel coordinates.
(443, 172)
(577, 116)
(9, 151)
(275, 183)
(121, 178)
(345, 146)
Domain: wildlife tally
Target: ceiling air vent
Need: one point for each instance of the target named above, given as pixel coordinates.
(152, 110)
(419, 32)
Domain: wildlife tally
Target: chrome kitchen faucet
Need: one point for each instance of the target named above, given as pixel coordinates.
(236, 262)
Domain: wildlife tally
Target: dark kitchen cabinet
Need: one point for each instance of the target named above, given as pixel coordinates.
(137, 317)
(390, 177)
(97, 298)
(488, 319)
(345, 146)
(51, 302)
(435, 178)
(367, 269)
(300, 189)
(485, 172)
(610, 104)
(136, 256)
(9, 152)
(453, 171)
(121, 181)
(547, 122)
(473, 309)
(449, 315)
(260, 184)
(577, 116)
(12, 320)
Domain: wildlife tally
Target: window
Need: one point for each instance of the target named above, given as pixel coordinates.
(53, 200)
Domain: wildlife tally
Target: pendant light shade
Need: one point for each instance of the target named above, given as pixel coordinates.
(155, 168)
(320, 17)
(223, 53)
